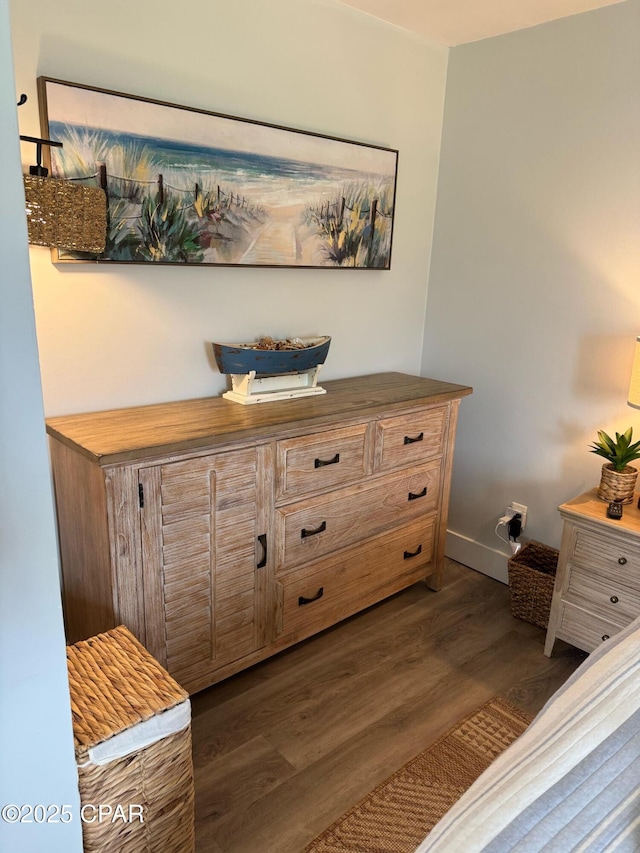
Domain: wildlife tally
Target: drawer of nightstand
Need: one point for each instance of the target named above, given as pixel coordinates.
(410, 439)
(611, 559)
(310, 529)
(584, 630)
(605, 597)
(318, 595)
(316, 462)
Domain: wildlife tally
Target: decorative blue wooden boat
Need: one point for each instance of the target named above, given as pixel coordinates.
(244, 358)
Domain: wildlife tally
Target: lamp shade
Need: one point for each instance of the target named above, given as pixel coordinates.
(64, 215)
(634, 384)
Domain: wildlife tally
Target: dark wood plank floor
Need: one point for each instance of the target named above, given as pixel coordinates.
(283, 749)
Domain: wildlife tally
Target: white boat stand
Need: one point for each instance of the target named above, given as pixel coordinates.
(247, 388)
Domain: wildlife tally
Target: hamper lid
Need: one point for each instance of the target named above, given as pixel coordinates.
(115, 684)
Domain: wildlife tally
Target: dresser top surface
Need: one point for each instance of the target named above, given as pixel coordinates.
(124, 435)
(590, 508)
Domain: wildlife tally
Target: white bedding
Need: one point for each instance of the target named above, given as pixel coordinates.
(571, 782)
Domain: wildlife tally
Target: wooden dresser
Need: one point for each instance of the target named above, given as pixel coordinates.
(597, 587)
(220, 534)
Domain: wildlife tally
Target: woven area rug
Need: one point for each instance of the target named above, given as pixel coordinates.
(396, 816)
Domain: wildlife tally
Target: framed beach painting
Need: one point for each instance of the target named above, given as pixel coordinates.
(188, 186)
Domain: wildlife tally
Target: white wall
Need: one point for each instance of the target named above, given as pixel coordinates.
(37, 764)
(534, 295)
(134, 334)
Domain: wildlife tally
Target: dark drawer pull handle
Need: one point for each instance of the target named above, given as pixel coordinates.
(320, 463)
(409, 440)
(614, 599)
(605, 637)
(302, 600)
(622, 561)
(304, 532)
(409, 554)
(413, 496)
(262, 539)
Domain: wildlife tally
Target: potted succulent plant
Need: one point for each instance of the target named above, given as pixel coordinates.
(618, 478)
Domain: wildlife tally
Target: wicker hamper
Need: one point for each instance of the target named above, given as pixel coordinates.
(532, 574)
(132, 732)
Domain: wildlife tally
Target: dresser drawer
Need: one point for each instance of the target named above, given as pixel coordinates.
(607, 557)
(410, 439)
(307, 530)
(316, 462)
(603, 596)
(332, 589)
(584, 630)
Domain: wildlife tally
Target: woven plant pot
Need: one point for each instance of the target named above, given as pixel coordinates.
(617, 485)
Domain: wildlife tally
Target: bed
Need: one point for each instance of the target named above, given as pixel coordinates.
(571, 782)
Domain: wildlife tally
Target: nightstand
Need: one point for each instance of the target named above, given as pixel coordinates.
(597, 587)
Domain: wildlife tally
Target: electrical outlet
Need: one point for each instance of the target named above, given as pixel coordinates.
(517, 508)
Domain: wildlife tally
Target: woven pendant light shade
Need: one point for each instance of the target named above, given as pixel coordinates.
(65, 215)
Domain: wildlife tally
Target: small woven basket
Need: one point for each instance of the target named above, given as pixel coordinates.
(617, 485)
(115, 685)
(532, 574)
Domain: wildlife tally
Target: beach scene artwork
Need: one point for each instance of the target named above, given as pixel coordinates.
(188, 186)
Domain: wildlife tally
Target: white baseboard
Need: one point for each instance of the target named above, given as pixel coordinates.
(480, 557)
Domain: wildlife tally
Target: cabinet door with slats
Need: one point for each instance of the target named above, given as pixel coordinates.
(203, 559)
